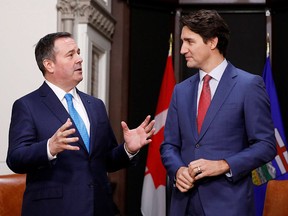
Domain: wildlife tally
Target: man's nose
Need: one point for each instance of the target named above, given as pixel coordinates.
(183, 49)
(79, 59)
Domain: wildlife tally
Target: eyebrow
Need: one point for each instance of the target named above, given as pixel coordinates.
(73, 51)
(188, 39)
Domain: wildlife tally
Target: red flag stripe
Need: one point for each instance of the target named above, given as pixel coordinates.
(154, 166)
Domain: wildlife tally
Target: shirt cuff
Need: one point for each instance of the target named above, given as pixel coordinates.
(50, 157)
(129, 154)
(229, 174)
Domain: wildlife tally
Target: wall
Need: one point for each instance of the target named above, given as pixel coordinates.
(22, 23)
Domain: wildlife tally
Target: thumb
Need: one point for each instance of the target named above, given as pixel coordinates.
(124, 126)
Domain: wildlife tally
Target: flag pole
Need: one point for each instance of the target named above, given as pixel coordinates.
(269, 33)
(170, 44)
(267, 45)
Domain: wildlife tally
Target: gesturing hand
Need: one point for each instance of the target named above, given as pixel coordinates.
(136, 138)
(60, 140)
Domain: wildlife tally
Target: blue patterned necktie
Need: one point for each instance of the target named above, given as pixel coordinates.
(77, 120)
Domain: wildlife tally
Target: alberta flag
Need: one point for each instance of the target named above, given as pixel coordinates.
(154, 186)
(278, 168)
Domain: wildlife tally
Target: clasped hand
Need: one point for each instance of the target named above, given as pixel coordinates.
(198, 169)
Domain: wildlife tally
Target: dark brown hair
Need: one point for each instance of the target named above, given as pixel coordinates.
(208, 24)
(45, 48)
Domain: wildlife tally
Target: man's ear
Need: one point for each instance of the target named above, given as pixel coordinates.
(49, 65)
(213, 43)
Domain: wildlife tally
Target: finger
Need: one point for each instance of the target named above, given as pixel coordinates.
(182, 189)
(147, 141)
(198, 169)
(185, 180)
(65, 143)
(193, 171)
(70, 147)
(66, 125)
(150, 126)
(151, 132)
(194, 163)
(71, 140)
(199, 176)
(68, 132)
(180, 185)
(189, 180)
(184, 185)
(146, 121)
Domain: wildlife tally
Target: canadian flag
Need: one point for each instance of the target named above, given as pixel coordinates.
(153, 201)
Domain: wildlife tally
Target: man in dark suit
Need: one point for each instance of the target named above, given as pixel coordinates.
(65, 177)
(210, 154)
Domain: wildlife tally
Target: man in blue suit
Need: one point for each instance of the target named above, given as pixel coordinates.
(211, 163)
(64, 177)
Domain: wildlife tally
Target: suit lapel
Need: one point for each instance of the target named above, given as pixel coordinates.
(52, 102)
(192, 100)
(224, 88)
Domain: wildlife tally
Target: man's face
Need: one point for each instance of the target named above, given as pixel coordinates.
(67, 69)
(194, 49)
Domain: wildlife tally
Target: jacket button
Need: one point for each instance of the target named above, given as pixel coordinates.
(197, 145)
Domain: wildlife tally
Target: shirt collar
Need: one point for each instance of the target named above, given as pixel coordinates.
(60, 93)
(217, 72)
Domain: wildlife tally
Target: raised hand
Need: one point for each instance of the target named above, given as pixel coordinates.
(60, 140)
(136, 138)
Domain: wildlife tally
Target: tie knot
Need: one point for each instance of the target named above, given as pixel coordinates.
(68, 97)
(207, 78)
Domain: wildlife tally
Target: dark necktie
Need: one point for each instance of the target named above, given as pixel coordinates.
(77, 120)
(204, 101)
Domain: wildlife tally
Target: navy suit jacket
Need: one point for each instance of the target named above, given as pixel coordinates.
(76, 182)
(237, 128)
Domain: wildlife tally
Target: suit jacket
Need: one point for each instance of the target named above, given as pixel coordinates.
(237, 128)
(76, 182)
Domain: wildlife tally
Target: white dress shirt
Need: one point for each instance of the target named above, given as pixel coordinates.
(78, 105)
(216, 75)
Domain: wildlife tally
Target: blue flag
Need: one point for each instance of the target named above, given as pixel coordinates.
(277, 168)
